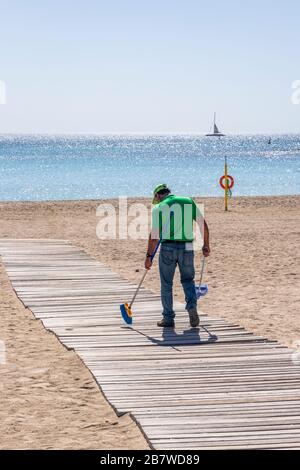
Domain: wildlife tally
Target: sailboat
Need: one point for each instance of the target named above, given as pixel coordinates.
(216, 132)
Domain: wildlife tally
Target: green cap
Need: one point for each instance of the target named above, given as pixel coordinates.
(158, 188)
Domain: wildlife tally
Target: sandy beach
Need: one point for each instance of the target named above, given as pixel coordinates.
(49, 398)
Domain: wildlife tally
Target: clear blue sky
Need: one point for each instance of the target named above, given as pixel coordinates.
(139, 66)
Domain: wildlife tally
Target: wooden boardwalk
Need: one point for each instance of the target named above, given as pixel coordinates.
(187, 389)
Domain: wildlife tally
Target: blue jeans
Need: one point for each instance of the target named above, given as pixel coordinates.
(170, 255)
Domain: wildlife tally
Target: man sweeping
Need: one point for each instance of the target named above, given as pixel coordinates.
(172, 223)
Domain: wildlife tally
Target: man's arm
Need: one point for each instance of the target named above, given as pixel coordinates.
(205, 248)
(201, 222)
(204, 233)
(153, 237)
(152, 243)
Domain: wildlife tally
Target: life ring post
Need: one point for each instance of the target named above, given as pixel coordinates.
(226, 183)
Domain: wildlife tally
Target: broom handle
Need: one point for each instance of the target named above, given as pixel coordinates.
(145, 273)
(138, 288)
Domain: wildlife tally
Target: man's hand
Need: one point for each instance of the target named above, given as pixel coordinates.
(205, 250)
(148, 262)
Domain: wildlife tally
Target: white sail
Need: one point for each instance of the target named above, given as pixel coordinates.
(216, 132)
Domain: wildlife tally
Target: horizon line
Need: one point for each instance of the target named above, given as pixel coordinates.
(196, 134)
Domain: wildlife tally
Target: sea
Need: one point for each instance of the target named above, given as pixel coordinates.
(57, 167)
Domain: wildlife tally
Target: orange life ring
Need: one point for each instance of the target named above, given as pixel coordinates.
(231, 182)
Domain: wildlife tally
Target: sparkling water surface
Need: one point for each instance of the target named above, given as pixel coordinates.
(40, 168)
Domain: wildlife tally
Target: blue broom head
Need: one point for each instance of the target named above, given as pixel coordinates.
(201, 291)
(126, 313)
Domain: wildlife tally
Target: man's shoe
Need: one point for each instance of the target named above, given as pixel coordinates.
(194, 317)
(166, 323)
